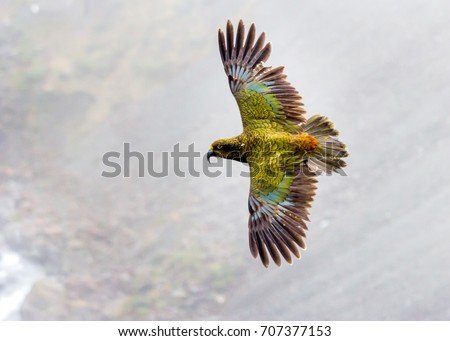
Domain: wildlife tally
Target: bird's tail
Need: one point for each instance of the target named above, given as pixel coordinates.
(327, 155)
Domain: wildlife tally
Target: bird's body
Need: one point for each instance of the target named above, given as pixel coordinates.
(284, 150)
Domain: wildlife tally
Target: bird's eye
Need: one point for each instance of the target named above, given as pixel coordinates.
(219, 146)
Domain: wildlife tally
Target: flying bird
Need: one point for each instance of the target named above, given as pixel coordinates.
(284, 150)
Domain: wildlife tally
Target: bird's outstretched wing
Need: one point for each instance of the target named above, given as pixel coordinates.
(278, 203)
(264, 96)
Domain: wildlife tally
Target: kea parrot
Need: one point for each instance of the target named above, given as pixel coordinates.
(284, 150)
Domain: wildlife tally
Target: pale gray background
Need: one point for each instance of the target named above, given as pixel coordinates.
(79, 78)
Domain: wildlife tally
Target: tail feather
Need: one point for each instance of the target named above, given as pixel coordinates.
(327, 157)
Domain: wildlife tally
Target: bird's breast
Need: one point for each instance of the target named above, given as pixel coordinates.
(264, 143)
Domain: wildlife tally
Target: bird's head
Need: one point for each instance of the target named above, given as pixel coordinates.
(225, 148)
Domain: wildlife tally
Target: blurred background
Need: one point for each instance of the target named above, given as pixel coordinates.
(78, 78)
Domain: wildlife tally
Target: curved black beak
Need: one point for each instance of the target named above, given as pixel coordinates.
(209, 154)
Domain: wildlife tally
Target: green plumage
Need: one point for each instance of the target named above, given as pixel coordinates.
(284, 152)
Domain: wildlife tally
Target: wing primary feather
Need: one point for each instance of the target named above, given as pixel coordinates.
(271, 247)
(249, 42)
(239, 39)
(262, 55)
(222, 47)
(258, 45)
(261, 250)
(278, 241)
(286, 239)
(253, 246)
(230, 34)
(295, 236)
